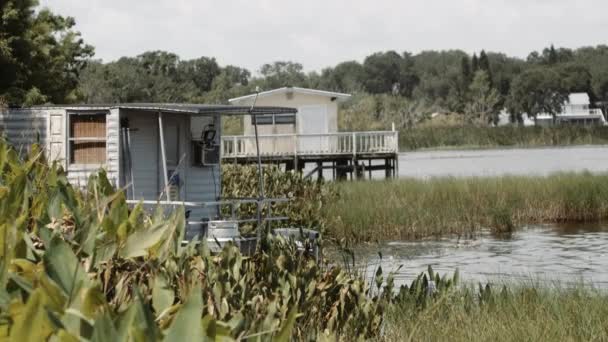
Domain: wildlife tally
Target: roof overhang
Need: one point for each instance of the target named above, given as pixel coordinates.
(295, 90)
(191, 109)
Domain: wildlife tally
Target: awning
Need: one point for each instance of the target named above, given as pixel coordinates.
(186, 108)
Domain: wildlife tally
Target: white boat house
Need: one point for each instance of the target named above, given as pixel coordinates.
(312, 137)
(165, 154)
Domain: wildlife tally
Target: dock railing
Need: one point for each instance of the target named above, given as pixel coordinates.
(287, 145)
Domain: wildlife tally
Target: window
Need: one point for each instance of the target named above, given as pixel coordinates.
(87, 138)
(278, 119)
(262, 119)
(285, 119)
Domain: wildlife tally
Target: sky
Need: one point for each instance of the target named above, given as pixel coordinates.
(322, 33)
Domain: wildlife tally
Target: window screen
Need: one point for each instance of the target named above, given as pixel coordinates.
(262, 119)
(269, 119)
(285, 119)
(87, 138)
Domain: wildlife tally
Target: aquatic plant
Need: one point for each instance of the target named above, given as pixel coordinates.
(307, 197)
(505, 136)
(411, 208)
(82, 265)
(503, 312)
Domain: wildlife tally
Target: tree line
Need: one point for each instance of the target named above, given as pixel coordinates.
(43, 59)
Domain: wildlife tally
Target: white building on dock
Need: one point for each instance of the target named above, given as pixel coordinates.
(310, 136)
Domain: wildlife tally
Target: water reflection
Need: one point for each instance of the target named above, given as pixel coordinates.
(567, 254)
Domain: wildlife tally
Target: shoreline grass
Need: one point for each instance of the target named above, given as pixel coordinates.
(445, 137)
(408, 209)
(511, 313)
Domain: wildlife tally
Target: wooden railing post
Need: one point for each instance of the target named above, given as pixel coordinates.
(354, 144)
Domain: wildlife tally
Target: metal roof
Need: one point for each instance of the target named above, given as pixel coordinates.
(185, 108)
(339, 96)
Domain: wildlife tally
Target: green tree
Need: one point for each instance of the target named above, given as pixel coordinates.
(202, 71)
(474, 63)
(345, 77)
(576, 78)
(41, 55)
(282, 74)
(389, 73)
(536, 91)
(482, 106)
(484, 65)
(551, 56)
(465, 70)
(237, 76)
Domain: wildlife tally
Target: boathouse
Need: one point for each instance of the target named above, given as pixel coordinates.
(165, 154)
(311, 138)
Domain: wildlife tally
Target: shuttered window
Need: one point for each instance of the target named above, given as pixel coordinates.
(87, 138)
(278, 119)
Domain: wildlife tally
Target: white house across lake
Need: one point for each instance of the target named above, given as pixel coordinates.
(576, 111)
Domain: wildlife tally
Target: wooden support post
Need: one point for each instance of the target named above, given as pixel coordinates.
(369, 163)
(396, 160)
(320, 170)
(387, 168)
(333, 170)
(341, 166)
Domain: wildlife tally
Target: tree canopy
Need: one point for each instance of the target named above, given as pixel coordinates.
(44, 59)
(41, 56)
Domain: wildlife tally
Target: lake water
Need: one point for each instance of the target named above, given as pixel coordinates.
(529, 161)
(568, 254)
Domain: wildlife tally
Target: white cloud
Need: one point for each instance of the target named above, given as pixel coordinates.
(320, 33)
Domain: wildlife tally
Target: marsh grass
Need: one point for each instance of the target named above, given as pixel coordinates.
(512, 313)
(408, 209)
(506, 136)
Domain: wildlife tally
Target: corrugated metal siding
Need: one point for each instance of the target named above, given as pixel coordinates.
(144, 155)
(201, 188)
(22, 127)
(203, 184)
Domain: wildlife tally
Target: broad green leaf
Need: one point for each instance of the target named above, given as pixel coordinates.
(162, 294)
(104, 330)
(138, 243)
(64, 268)
(187, 324)
(33, 315)
(137, 323)
(284, 334)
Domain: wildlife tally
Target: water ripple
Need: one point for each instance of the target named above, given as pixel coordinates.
(567, 254)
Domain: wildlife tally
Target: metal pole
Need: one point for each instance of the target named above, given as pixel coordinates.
(163, 155)
(130, 160)
(260, 174)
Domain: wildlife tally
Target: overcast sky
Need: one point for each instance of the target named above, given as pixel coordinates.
(320, 33)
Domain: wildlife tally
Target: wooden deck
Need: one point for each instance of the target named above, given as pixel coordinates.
(345, 153)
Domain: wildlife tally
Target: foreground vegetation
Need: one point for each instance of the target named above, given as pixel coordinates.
(307, 197)
(513, 313)
(84, 266)
(410, 209)
(506, 136)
